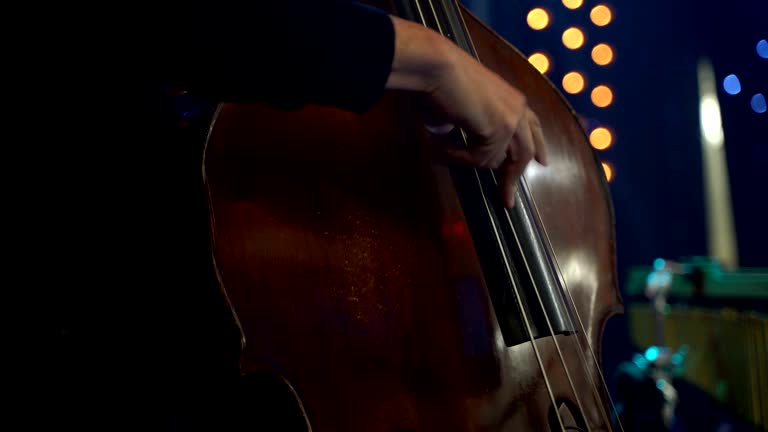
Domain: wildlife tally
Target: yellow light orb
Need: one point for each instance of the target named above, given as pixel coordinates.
(602, 54)
(608, 169)
(573, 82)
(538, 19)
(573, 38)
(573, 4)
(539, 61)
(601, 138)
(601, 15)
(602, 96)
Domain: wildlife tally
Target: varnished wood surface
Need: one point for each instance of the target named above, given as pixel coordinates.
(343, 250)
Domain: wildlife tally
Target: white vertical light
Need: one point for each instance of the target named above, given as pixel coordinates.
(721, 233)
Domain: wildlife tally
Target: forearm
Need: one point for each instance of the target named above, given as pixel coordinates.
(421, 57)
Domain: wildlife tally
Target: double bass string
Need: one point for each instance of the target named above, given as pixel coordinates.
(500, 243)
(572, 304)
(526, 320)
(553, 259)
(546, 317)
(525, 194)
(509, 271)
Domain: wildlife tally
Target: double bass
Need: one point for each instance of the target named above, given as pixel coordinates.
(388, 291)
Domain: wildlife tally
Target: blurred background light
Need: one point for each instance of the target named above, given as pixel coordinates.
(762, 48)
(609, 172)
(573, 38)
(711, 120)
(538, 19)
(601, 138)
(602, 54)
(731, 84)
(758, 103)
(601, 15)
(573, 82)
(573, 4)
(602, 96)
(540, 61)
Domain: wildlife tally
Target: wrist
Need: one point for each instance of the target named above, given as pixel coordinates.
(422, 57)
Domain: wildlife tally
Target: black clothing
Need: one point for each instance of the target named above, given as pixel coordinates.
(108, 169)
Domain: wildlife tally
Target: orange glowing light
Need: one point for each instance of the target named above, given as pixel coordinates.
(602, 96)
(573, 4)
(573, 38)
(602, 54)
(601, 15)
(573, 82)
(538, 19)
(601, 138)
(609, 173)
(539, 61)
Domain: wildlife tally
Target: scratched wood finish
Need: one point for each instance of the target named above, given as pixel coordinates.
(343, 251)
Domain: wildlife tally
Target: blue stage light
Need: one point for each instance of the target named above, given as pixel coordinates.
(731, 84)
(762, 48)
(758, 103)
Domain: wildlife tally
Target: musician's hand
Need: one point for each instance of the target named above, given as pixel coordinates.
(504, 132)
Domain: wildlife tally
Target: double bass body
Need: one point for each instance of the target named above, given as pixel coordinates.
(344, 252)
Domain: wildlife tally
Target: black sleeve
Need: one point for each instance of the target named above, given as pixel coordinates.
(287, 52)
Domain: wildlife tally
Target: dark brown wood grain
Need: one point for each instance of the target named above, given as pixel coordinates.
(343, 250)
